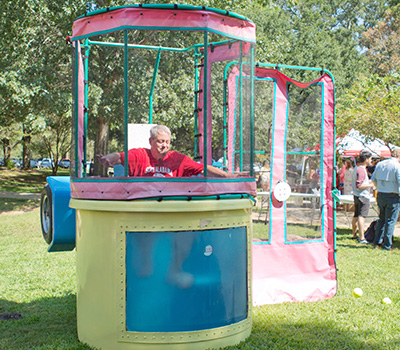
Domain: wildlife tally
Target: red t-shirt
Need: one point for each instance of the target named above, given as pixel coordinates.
(174, 164)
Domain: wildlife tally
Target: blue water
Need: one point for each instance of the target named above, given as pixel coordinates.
(185, 281)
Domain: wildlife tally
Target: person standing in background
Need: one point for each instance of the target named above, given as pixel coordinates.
(386, 178)
(361, 186)
(348, 177)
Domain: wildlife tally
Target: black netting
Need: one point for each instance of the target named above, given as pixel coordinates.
(303, 163)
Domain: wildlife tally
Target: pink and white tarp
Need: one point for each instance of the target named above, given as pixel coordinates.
(163, 19)
(302, 271)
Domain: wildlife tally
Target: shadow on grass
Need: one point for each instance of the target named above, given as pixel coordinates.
(343, 239)
(307, 336)
(48, 323)
(30, 181)
(14, 204)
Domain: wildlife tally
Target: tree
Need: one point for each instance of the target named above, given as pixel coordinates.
(382, 43)
(15, 91)
(315, 33)
(372, 107)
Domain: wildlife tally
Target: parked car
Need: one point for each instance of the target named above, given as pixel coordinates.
(17, 162)
(64, 163)
(33, 163)
(45, 163)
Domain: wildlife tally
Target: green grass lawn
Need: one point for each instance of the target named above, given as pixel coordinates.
(28, 181)
(42, 287)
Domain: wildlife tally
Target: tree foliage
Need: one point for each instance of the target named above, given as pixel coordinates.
(372, 107)
(382, 43)
(35, 62)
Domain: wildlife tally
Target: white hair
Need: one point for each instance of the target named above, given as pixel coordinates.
(155, 130)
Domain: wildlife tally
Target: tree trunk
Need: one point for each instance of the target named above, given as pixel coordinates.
(6, 150)
(26, 152)
(101, 145)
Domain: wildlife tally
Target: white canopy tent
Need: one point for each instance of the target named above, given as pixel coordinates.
(353, 143)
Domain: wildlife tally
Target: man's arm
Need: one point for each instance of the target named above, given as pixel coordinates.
(110, 159)
(213, 171)
(367, 185)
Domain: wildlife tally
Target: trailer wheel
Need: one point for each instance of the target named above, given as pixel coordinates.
(46, 214)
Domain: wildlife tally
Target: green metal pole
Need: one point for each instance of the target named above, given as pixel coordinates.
(205, 94)
(76, 112)
(224, 165)
(196, 104)
(252, 110)
(153, 83)
(241, 105)
(126, 97)
(86, 98)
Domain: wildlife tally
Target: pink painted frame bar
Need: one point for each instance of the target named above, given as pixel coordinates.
(163, 19)
(139, 188)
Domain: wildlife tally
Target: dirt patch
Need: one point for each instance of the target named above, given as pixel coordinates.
(16, 195)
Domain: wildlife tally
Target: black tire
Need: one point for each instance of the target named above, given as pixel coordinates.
(46, 214)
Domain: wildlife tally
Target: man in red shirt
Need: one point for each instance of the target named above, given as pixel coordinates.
(159, 161)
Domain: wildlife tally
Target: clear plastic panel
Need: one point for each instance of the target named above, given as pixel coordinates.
(303, 164)
(242, 146)
(162, 88)
(105, 103)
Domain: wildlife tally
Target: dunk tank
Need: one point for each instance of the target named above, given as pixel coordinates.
(162, 262)
(178, 262)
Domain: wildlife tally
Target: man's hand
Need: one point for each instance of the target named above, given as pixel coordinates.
(213, 171)
(110, 159)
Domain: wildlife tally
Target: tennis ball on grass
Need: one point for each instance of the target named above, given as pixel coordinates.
(386, 301)
(357, 292)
